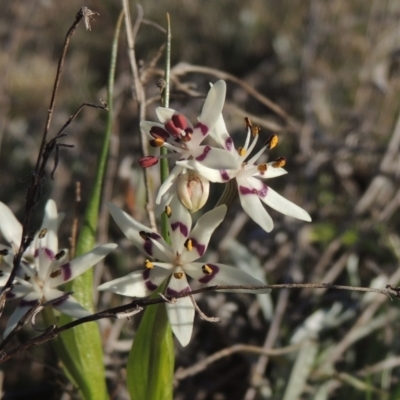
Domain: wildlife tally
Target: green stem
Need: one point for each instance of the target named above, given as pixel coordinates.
(164, 170)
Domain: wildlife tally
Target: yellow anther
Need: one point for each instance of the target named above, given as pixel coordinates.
(262, 168)
(241, 151)
(168, 211)
(279, 162)
(189, 245)
(148, 264)
(255, 130)
(55, 273)
(272, 141)
(178, 275)
(206, 269)
(42, 233)
(157, 142)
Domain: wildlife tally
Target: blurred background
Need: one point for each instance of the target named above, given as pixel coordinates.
(325, 77)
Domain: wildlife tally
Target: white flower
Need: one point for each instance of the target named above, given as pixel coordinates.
(178, 135)
(252, 191)
(174, 262)
(11, 231)
(46, 268)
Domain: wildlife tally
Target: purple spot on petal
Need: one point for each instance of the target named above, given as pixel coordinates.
(154, 235)
(150, 285)
(245, 190)
(45, 250)
(263, 192)
(201, 248)
(224, 174)
(25, 303)
(66, 271)
(148, 247)
(202, 156)
(49, 253)
(228, 143)
(146, 274)
(208, 277)
(203, 128)
(182, 228)
(172, 292)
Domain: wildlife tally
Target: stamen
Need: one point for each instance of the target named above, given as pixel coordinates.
(255, 130)
(262, 168)
(158, 132)
(241, 151)
(189, 245)
(272, 141)
(144, 235)
(206, 269)
(148, 161)
(157, 142)
(55, 273)
(248, 123)
(187, 137)
(60, 255)
(279, 162)
(168, 211)
(178, 275)
(148, 264)
(42, 233)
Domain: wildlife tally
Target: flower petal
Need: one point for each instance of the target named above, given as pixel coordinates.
(180, 223)
(10, 227)
(166, 186)
(50, 222)
(278, 202)
(201, 233)
(220, 134)
(137, 284)
(212, 107)
(66, 304)
(213, 175)
(79, 265)
(214, 158)
(164, 114)
(132, 229)
(24, 306)
(251, 204)
(180, 313)
(220, 274)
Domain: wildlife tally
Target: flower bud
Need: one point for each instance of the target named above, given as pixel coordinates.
(193, 190)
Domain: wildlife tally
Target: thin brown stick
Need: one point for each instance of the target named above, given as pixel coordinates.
(185, 68)
(34, 191)
(183, 373)
(140, 96)
(273, 332)
(117, 312)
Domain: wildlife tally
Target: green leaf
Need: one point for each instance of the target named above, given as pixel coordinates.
(150, 366)
(151, 361)
(80, 349)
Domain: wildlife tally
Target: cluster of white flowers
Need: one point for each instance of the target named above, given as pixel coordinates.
(185, 191)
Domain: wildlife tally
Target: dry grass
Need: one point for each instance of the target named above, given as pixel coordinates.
(333, 69)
